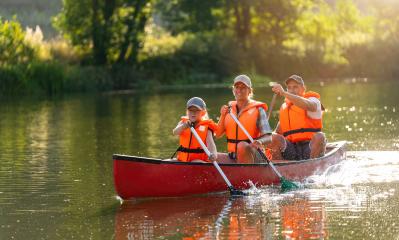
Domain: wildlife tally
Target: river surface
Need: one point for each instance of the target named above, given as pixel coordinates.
(56, 176)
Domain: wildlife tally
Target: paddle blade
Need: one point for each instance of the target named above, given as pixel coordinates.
(287, 185)
(237, 193)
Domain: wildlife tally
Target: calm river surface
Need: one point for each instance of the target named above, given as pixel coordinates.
(56, 179)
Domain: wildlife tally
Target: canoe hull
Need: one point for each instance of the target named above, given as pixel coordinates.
(137, 177)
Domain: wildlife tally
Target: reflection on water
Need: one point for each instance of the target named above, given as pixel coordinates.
(56, 171)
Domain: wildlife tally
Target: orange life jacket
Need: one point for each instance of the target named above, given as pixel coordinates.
(248, 117)
(295, 124)
(190, 149)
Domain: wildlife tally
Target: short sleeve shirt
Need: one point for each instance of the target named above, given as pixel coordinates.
(262, 123)
(316, 114)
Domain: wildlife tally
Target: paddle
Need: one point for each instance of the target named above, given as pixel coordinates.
(285, 184)
(233, 191)
(272, 103)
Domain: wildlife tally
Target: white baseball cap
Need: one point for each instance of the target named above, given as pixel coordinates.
(243, 79)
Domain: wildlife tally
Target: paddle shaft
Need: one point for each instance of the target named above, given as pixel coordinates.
(272, 103)
(209, 155)
(252, 140)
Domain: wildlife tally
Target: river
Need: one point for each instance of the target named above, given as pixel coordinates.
(56, 176)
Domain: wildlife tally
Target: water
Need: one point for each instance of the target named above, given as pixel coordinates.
(56, 170)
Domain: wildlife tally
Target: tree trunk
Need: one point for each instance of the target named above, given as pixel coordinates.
(99, 51)
(132, 33)
(243, 22)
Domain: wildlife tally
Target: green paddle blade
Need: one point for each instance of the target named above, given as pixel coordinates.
(287, 185)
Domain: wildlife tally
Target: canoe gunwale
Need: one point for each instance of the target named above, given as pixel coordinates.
(334, 146)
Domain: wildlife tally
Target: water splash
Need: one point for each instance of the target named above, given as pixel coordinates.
(360, 167)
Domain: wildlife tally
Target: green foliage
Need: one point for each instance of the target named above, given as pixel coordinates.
(200, 59)
(11, 80)
(190, 15)
(47, 77)
(119, 44)
(328, 32)
(51, 78)
(13, 48)
(111, 31)
(276, 37)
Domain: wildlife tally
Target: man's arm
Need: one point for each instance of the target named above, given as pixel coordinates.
(296, 100)
(301, 102)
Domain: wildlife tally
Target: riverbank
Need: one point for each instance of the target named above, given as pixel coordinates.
(53, 78)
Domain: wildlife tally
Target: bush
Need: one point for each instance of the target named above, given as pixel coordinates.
(13, 47)
(47, 77)
(200, 59)
(11, 79)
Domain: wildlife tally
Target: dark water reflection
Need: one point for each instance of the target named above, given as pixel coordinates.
(56, 170)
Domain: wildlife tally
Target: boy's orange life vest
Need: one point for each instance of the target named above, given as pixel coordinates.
(248, 117)
(295, 124)
(190, 149)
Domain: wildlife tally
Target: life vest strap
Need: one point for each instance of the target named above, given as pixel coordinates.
(301, 130)
(190, 150)
(237, 141)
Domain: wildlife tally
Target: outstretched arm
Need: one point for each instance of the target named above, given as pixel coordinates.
(299, 101)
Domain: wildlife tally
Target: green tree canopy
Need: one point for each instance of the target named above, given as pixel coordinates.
(110, 31)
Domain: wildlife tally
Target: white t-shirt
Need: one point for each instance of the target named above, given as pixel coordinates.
(316, 114)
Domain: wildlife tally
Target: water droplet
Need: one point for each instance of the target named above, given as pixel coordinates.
(385, 107)
(355, 124)
(339, 98)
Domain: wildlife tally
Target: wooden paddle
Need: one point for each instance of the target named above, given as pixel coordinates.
(233, 191)
(285, 184)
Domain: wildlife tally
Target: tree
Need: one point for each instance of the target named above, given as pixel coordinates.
(110, 31)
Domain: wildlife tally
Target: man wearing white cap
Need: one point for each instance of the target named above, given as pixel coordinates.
(252, 115)
(298, 135)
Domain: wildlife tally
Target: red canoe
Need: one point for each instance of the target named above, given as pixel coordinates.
(137, 177)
